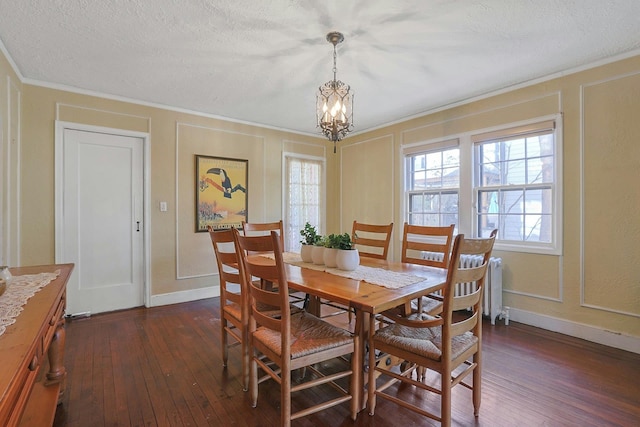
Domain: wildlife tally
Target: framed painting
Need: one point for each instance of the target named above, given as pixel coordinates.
(221, 192)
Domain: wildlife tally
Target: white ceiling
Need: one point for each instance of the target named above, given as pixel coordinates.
(261, 61)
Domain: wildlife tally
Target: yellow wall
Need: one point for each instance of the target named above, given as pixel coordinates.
(595, 283)
(181, 260)
(593, 286)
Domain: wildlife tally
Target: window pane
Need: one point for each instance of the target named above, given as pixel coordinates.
(513, 150)
(416, 203)
(419, 180)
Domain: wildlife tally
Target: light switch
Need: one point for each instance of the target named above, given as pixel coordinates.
(163, 206)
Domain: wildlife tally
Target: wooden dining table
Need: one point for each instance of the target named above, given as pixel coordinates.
(366, 298)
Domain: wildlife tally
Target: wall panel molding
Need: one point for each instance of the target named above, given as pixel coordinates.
(609, 132)
(193, 256)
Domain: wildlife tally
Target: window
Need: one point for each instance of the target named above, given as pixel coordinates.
(303, 197)
(506, 178)
(514, 183)
(432, 182)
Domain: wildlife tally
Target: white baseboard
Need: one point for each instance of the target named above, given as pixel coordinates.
(184, 296)
(578, 330)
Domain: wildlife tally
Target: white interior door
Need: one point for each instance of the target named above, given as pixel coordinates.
(102, 220)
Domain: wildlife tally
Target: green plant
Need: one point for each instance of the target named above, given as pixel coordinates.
(343, 241)
(331, 241)
(322, 241)
(309, 235)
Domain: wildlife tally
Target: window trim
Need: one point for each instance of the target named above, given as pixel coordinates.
(323, 184)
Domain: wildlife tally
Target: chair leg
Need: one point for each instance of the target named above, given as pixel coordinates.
(253, 379)
(356, 379)
(371, 383)
(477, 384)
(285, 398)
(245, 363)
(225, 342)
(445, 402)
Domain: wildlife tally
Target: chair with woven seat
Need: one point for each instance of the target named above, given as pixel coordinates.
(280, 345)
(417, 239)
(234, 299)
(446, 344)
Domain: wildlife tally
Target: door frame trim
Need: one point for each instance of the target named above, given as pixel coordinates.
(60, 127)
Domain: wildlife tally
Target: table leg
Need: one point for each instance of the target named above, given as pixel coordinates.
(57, 372)
(313, 305)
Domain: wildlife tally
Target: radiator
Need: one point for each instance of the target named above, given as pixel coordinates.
(492, 304)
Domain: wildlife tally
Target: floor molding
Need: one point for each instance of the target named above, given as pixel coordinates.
(184, 296)
(578, 330)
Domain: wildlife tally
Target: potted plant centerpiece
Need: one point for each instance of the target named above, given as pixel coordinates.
(347, 257)
(309, 238)
(331, 250)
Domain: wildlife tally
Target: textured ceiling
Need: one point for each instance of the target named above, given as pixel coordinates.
(262, 61)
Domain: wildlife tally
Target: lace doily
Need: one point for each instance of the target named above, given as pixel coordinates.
(377, 276)
(19, 290)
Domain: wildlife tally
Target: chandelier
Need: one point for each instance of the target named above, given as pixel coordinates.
(334, 103)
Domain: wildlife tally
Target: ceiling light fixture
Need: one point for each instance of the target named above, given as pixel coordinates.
(334, 103)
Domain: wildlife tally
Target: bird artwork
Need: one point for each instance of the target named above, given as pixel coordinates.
(222, 193)
(225, 185)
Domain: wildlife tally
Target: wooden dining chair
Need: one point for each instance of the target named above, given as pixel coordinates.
(372, 240)
(282, 344)
(234, 299)
(418, 239)
(451, 347)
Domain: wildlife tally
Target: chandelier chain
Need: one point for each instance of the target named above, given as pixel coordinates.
(335, 67)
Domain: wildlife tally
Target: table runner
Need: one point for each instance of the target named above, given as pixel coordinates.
(19, 290)
(373, 275)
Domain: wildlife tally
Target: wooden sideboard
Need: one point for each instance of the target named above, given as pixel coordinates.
(35, 342)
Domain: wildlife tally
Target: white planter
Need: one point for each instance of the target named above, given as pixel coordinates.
(305, 253)
(330, 257)
(348, 259)
(317, 255)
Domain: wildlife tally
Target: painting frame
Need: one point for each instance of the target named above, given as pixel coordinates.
(221, 188)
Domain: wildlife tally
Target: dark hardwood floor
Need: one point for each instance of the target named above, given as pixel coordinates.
(162, 367)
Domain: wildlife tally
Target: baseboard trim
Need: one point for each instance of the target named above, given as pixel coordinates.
(184, 296)
(578, 330)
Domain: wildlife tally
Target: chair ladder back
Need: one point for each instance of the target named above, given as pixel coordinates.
(264, 229)
(458, 274)
(416, 238)
(228, 266)
(373, 240)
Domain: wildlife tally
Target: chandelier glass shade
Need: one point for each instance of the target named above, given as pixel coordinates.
(334, 102)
